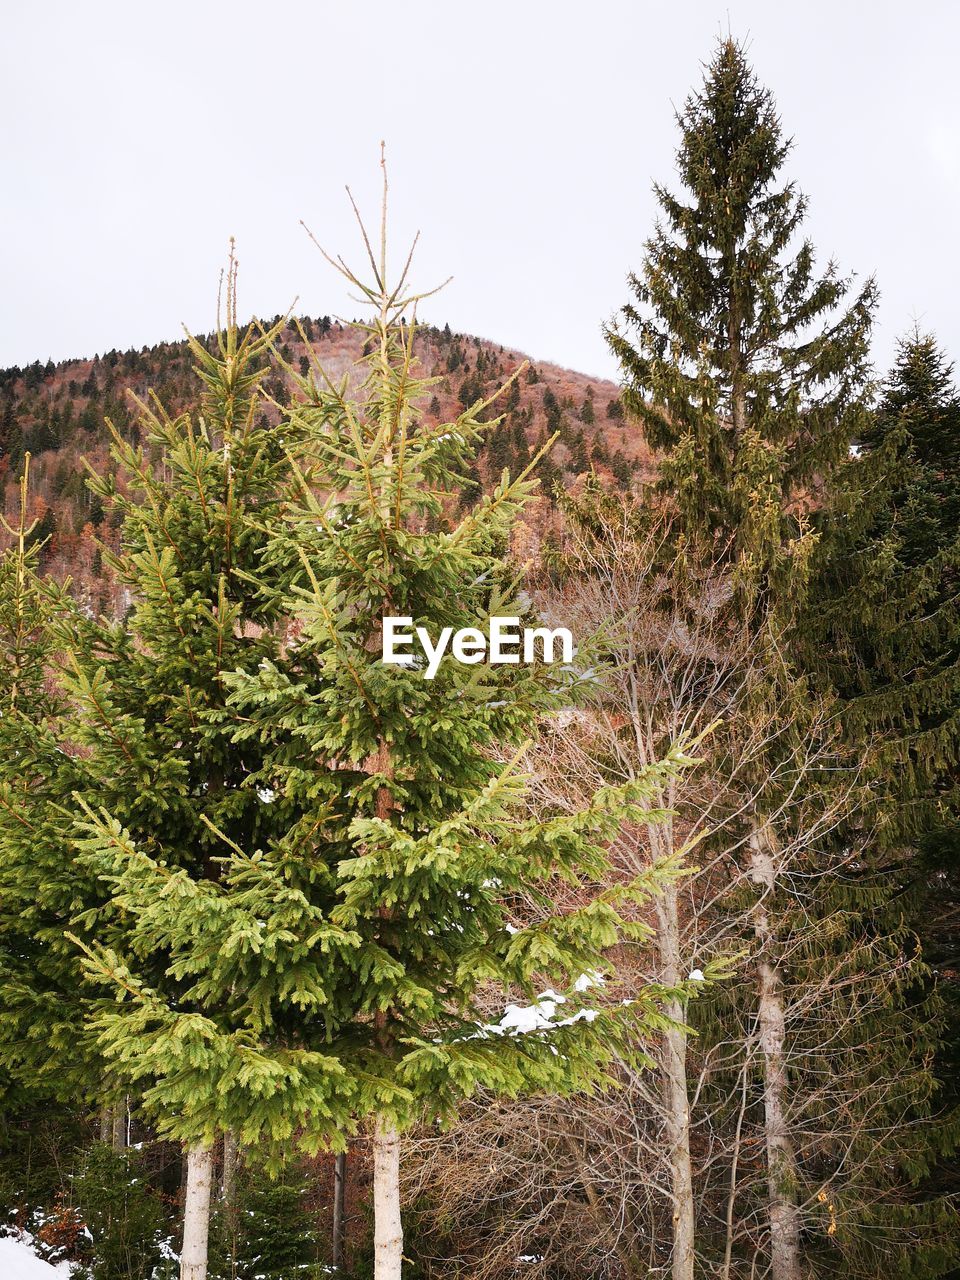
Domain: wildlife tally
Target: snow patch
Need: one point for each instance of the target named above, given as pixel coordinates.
(522, 1019)
(19, 1262)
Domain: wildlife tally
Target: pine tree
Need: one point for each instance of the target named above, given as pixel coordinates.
(343, 970)
(752, 378)
(735, 357)
(122, 1213)
(271, 1228)
(889, 544)
(883, 630)
(44, 1050)
(148, 696)
(521, 450)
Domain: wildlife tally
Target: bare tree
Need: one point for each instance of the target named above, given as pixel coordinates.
(690, 1169)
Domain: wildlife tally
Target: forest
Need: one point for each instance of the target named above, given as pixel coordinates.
(642, 963)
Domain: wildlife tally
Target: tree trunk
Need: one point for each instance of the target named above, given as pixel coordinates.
(339, 1224)
(387, 1229)
(781, 1162)
(784, 1217)
(738, 400)
(387, 1225)
(229, 1172)
(119, 1133)
(676, 1107)
(106, 1124)
(196, 1213)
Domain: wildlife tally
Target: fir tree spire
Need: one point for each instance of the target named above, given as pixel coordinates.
(736, 354)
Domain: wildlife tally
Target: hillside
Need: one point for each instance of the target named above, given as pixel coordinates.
(57, 412)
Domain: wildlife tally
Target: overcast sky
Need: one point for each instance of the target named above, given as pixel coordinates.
(522, 140)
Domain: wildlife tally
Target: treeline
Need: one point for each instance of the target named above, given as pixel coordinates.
(642, 967)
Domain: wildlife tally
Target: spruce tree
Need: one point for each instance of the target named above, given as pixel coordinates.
(885, 623)
(344, 964)
(44, 1049)
(148, 697)
(737, 356)
(749, 371)
(883, 630)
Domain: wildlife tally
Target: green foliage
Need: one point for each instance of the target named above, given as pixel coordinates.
(122, 1212)
(736, 357)
(37, 1139)
(749, 371)
(269, 1231)
(44, 1047)
(885, 592)
(149, 730)
(315, 939)
(883, 628)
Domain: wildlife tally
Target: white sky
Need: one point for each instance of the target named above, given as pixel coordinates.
(522, 140)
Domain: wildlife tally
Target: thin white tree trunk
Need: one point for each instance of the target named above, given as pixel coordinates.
(387, 1226)
(734, 1163)
(229, 1172)
(676, 1106)
(784, 1215)
(196, 1213)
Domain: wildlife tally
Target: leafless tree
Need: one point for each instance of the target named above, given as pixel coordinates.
(689, 1168)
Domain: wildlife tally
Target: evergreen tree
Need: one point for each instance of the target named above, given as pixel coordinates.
(884, 626)
(269, 1229)
(735, 357)
(579, 459)
(521, 450)
(150, 721)
(122, 1213)
(44, 1050)
(499, 449)
(752, 378)
(883, 630)
(343, 964)
(471, 485)
(551, 407)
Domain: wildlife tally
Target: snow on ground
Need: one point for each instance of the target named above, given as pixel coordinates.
(19, 1262)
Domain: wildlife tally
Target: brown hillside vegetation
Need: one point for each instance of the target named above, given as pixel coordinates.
(58, 413)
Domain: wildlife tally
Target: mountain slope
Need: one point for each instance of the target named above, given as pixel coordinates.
(57, 412)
